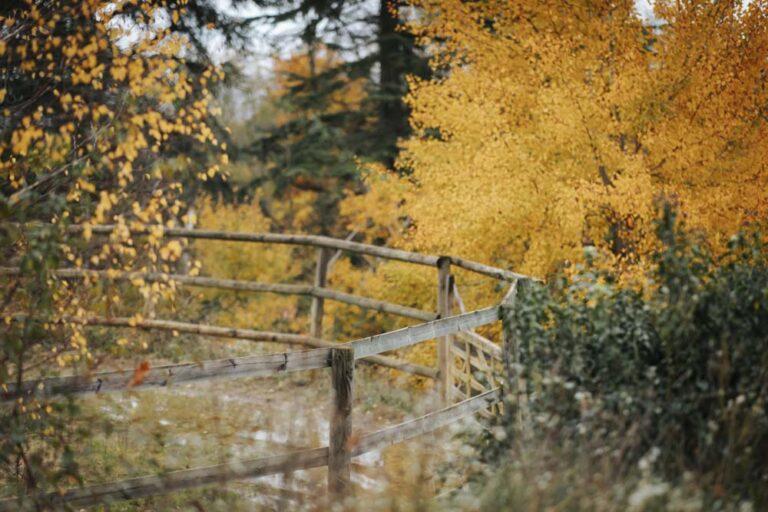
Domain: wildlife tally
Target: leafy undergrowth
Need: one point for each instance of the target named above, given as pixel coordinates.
(640, 399)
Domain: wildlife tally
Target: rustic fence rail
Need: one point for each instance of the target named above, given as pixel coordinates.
(250, 366)
(316, 292)
(313, 241)
(466, 370)
(155, 485)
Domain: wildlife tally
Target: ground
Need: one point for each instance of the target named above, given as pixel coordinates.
(151, 430)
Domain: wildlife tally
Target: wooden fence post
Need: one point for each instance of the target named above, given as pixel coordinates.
(321, 278)
(444, 301)
(339, 454)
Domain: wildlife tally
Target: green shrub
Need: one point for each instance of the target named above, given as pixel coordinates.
(675, 377)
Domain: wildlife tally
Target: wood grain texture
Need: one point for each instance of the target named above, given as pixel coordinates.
(316, 241)
(339, 456)
(407, 336)
(167, 375)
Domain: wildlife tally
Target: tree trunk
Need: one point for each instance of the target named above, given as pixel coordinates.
(395, 57)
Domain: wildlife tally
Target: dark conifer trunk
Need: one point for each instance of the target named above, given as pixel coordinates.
(393, 56)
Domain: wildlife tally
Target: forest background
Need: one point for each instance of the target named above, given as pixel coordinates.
(535, 136)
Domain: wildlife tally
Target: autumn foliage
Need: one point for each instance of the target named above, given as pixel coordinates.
(545, 134)
(103, 123)
(552, 126)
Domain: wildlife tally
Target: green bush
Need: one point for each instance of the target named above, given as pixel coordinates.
(675, 376)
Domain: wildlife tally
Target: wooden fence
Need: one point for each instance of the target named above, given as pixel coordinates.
(466, 371)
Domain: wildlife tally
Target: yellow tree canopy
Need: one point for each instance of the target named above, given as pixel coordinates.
(551, 126)
(101, 115)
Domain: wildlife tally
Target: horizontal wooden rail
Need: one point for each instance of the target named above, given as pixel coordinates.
(236, 333)
(432, 421)
(411, 335)
(364, 347)
(481, 343)
(140, 487)
(237, 285)
(144, 486)
(315, 241)
(487, 270)
(274, 238)
(166, 375)
(202, 329)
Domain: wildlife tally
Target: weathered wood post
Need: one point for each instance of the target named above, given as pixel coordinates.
(321, 278)
(444, 301)
(339, 455)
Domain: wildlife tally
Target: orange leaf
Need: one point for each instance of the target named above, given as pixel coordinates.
(139, 373)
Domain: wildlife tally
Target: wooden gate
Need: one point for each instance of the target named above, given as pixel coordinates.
(468, 363)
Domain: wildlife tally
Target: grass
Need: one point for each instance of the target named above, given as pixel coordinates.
(156, 430)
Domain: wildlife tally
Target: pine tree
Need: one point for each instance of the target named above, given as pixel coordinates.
(355, 42)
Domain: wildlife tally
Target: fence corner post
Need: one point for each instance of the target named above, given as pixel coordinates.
(339, 454)
(321, 279)
(444, 300)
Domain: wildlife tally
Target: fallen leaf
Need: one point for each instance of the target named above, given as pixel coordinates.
(139, 373)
